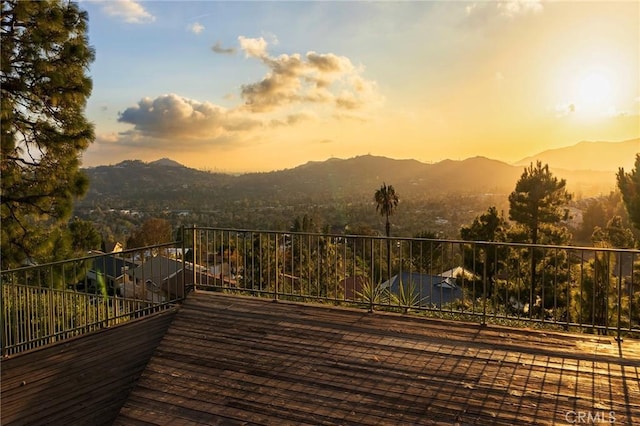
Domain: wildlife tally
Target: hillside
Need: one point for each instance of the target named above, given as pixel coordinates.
(168, 185)
(338, 193)
(593, 156)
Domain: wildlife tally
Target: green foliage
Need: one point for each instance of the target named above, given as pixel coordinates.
(489, 226)
(539, 199)
(485, 260)
(84, 236)
(153, 231)
(407, 296)
(386, 203)
(425, 251)
(373, 294)
(537, 205)
(45, 57)
(613, 235)
(629, 185)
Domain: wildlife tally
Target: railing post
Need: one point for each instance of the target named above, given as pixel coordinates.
(195, 238)
(618, 338)
(183, 292)
(275, 285)
(484, 287)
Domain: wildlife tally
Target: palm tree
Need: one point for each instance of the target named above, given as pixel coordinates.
(386, 203)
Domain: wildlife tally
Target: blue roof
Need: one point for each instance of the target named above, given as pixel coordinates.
(433, 290)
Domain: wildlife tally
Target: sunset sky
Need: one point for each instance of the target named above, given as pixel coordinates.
(260, 86)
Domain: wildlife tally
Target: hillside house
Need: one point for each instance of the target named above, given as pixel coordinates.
(433, 290)
(108, 270)
(160, 278)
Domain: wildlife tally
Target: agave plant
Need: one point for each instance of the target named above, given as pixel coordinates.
(373, 294)
(408, 296)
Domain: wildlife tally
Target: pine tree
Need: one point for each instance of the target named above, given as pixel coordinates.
(538, 204)
(629, 185)
(44, 84)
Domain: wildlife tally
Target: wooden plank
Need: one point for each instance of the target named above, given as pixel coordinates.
(262, 362)
(82, 381)
(240, 360)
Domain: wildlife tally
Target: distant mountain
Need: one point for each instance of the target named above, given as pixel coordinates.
(597, 156)
(166, 184)
(166, 162)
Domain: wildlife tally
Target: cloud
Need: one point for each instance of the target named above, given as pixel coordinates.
(562, 110)
(219, 49)
(107, 138)
(253, 47)
(293, 119)
(320, 78)
(195, 28)
(130, 11)
(296, 89)
(485, 10)
(172, 117)
(514, 8)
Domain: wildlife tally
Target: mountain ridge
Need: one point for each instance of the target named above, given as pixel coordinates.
(589, 155)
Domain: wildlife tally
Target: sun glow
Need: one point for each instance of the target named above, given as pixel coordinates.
(594, 91)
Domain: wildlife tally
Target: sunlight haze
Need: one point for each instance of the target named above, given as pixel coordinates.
(260, 86)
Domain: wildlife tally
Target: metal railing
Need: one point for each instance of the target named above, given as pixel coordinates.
(579, 289)
(48, 303)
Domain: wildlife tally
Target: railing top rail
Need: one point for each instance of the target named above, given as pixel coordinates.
(399, 238)
(92, 256)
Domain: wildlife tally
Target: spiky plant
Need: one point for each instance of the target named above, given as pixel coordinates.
(407, 296)
(373, 294)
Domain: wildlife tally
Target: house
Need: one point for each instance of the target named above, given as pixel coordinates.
(161, 277)
(460, 272)
(113, 247)
(431, 290)
(110, 268)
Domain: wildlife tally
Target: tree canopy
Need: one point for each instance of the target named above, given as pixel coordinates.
(539, 202)
(153, 231)
(44, 83)
(629, 185)
(386, 202)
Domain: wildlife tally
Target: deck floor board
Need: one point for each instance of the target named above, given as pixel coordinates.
(239, 360)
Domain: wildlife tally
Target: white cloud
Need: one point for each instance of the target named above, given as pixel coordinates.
(253, 47)
(514, 8)
(321, 78)
(195, 28)
(485, 10)
(172, 117)
(296, 89)
(130, 11)
(562, 110)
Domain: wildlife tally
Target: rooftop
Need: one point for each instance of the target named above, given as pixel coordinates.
(238, 360)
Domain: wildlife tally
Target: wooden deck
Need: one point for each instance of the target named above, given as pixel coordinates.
(233, 360)
(81, 381)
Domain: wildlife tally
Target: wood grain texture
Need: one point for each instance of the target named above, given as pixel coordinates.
(239, 360)
(82, 381)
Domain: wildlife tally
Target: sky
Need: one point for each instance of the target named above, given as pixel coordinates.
(258, 86)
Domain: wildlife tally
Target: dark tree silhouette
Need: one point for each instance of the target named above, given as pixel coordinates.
(629, 185)
(538, 204)
(44, 86)
(386, 203)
